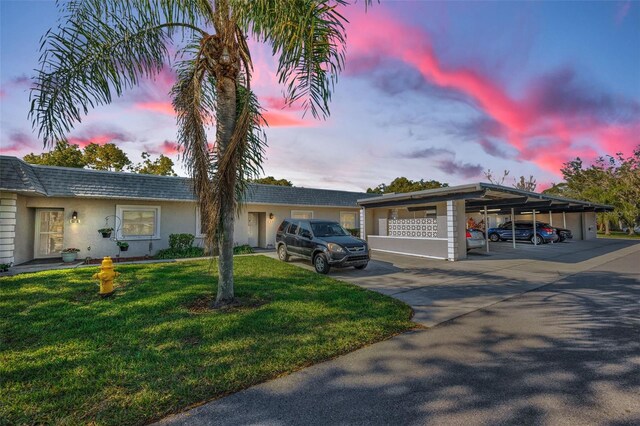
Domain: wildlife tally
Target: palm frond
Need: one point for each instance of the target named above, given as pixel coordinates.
(101, 49)
(194, 97)
(309, 38)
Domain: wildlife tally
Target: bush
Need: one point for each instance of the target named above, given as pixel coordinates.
(180, 254)
(180, 242)
(354, 231)
(243, 249)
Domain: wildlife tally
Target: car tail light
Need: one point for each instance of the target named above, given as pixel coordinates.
(548, 230)
(468, 234)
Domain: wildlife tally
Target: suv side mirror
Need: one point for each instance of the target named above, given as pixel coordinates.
(305, 234)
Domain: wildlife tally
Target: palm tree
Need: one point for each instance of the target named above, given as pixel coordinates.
(104, 47)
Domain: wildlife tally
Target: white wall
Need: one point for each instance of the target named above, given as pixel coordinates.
(176, 217)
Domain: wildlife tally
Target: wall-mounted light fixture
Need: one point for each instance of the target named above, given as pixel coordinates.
(271, 216)
(74, 217)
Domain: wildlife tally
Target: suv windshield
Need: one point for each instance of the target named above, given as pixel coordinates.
(328, 229)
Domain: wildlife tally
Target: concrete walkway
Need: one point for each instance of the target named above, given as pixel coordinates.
(567, 353)
(439, 291)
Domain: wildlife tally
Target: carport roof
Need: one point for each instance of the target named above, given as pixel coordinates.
(500, 199)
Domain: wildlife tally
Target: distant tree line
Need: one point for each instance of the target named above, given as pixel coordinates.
(101, 157)
(403, 184)
(612, 179)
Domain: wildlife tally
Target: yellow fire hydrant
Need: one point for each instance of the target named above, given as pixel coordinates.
(106, 276)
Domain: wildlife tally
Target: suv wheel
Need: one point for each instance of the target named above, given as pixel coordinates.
(282, 253)
(320, 264)
(494, 237)
(536, 239)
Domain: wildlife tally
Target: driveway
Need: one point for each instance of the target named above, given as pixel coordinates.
(439, 291)
(566, 353)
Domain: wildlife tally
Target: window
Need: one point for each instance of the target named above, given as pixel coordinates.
(138, 222)
(283, 226)
(348, 220)
(293, 228)
(305, 230)
(301, 214)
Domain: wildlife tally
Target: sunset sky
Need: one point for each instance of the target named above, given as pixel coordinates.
(431, 90)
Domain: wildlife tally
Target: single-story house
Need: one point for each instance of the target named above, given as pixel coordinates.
(432, 223)
(44, 209)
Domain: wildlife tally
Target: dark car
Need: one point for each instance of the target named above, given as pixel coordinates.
(563, 234)
(524, 231)
(324, 242)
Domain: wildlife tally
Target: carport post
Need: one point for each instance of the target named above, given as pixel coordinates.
(535, 231)
(513, 227)
(550, 218)
(486, 228)
(564, 220)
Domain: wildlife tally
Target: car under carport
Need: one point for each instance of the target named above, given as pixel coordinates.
(432, 223)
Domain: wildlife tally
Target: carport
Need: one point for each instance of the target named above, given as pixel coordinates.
(432, 223)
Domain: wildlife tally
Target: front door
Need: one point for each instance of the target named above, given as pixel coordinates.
(253, 231)
(49, 233)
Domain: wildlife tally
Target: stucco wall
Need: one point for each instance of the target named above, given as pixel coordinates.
(175, 217)
(412, 246)
(25, 230)
(268, 227)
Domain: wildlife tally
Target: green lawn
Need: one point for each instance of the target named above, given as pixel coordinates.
(619, 234)
(69, 357)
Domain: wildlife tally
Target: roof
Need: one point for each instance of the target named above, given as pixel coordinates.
(18, 176)
(51, 181)
(499, 199)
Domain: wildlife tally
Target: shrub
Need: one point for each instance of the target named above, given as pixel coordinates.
(243, 249)
(180, 254)
(354, 231)
(180, 242)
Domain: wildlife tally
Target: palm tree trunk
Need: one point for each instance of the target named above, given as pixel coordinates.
(225, 126)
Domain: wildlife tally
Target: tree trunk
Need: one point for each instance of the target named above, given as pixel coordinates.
(607, 227)
(225, 126)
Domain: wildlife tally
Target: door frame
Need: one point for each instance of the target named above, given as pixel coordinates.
(256, 216)
(36, 236)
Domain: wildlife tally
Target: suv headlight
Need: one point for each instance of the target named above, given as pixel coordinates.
(335, 248)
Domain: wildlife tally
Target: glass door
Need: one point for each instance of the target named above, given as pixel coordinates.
(49, 233)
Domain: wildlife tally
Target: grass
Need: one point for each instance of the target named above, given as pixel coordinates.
(619, 234)
(69, 357)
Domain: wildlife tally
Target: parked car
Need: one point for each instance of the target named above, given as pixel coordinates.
(524, 231)
(475, 239)
(325, 243)
(563, 234)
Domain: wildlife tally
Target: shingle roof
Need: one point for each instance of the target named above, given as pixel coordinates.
(71, 182)
(16, 175)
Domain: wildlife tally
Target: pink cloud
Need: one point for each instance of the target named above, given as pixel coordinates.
(278, 102)
(98, 136)
(547, 126)
(161, 107)
(278, 119)
(18, 143)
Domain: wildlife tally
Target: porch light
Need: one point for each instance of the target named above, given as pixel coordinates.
(271, 216)
(74, 217)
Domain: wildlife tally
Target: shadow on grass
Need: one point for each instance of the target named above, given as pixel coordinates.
(572, 359)
(70, 356)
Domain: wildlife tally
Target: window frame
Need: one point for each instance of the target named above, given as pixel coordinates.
(355, 219)
(121, 208)
(294, 212)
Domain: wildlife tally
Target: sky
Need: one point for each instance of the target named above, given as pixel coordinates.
(430, 90)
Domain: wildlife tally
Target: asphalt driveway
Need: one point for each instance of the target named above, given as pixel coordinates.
(439, 291)
(565, 353)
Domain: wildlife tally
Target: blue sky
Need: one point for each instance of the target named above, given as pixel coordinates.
(431, 90)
